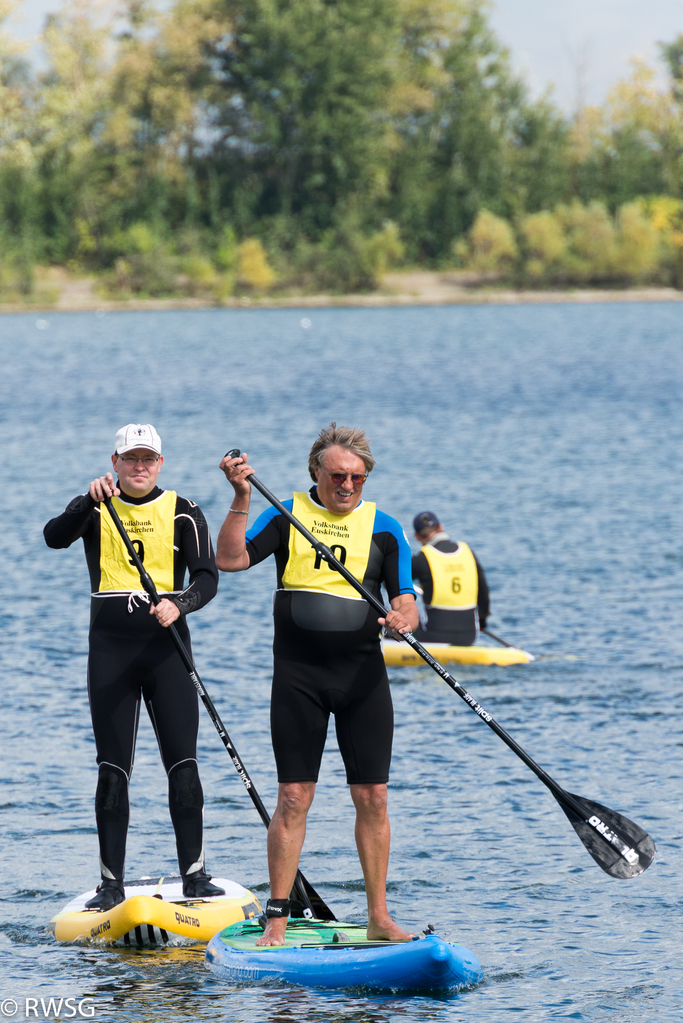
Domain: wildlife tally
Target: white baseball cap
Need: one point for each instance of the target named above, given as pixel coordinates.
(136, 436)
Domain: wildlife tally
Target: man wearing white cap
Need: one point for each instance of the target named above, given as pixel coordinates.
(131, 657)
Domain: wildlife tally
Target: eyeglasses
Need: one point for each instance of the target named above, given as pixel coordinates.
(357, 478)
(147, 460)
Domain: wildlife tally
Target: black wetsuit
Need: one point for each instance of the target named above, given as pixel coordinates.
(455, 626)
(132, 657)
(328, 659)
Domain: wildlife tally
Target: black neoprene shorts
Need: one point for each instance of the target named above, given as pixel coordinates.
(304, 696)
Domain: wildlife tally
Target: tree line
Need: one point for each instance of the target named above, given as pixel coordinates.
(220, 146)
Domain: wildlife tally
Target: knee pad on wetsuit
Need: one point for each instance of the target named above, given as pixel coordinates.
(111, 813)
(186, 803)
(112, 790)
(184, 786)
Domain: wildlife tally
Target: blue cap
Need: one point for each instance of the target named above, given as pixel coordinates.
(425, 520)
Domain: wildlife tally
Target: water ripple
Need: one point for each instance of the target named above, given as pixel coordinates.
(550, 439)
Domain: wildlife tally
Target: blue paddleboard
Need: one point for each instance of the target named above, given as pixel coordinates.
(338, 955)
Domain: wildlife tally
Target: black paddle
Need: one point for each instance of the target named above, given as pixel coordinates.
(303, 891)
(498, 639)
(616, 844)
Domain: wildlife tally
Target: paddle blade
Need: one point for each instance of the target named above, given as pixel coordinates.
(321, 910)
(616, 844)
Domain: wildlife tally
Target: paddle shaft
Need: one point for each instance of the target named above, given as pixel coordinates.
(149, 587)
(497, 639)
(563, 797)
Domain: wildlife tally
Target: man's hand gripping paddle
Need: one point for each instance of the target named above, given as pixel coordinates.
(303, 891)
(622, 848)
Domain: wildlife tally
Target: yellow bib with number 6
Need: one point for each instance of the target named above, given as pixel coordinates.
(454, 576)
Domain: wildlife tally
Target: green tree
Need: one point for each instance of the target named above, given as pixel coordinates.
(481, 143)
(490, 246)
(673, 57)
(299, 103)
(333, 137)
(544, 242)
(632, 146)
(20, 236)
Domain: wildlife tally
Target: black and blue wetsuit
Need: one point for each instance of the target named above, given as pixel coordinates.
(328, 657)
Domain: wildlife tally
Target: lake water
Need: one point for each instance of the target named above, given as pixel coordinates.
(549, 438)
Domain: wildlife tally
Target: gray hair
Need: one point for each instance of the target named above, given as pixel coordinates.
(344, 437)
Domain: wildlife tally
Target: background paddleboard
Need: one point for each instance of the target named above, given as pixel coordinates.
(155, 912)
(398, 655)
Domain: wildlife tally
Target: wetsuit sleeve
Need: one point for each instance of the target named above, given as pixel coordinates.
(194, 554)
(74, 522)
(483, 601)
(421, 572)
(267, 535)
(396, 568)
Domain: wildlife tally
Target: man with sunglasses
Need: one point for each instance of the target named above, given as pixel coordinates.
(327, 655)
(130, 655)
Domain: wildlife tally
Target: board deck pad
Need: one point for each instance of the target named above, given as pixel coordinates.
(156, 913)
(334, 954)
(302, 934)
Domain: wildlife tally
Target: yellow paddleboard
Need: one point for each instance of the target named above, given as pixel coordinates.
(397, 655)
(155, 913)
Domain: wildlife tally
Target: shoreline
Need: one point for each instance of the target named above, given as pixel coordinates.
(401, 288)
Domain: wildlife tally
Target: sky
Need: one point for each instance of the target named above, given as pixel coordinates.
(582, 47)
(579, 47)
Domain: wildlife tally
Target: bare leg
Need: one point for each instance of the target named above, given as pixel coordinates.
(373, 836)
(285, 840)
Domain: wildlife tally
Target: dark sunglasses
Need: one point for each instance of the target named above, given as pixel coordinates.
(357, 478)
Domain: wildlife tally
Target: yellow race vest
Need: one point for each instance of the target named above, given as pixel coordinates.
(348, 536)
(150, 527)
(454, 577)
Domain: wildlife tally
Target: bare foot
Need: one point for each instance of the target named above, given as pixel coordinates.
(386, 930)
(274, 933)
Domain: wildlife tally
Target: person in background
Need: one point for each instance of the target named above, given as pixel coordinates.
(327, 655)
(131, 656)
(454, 587)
